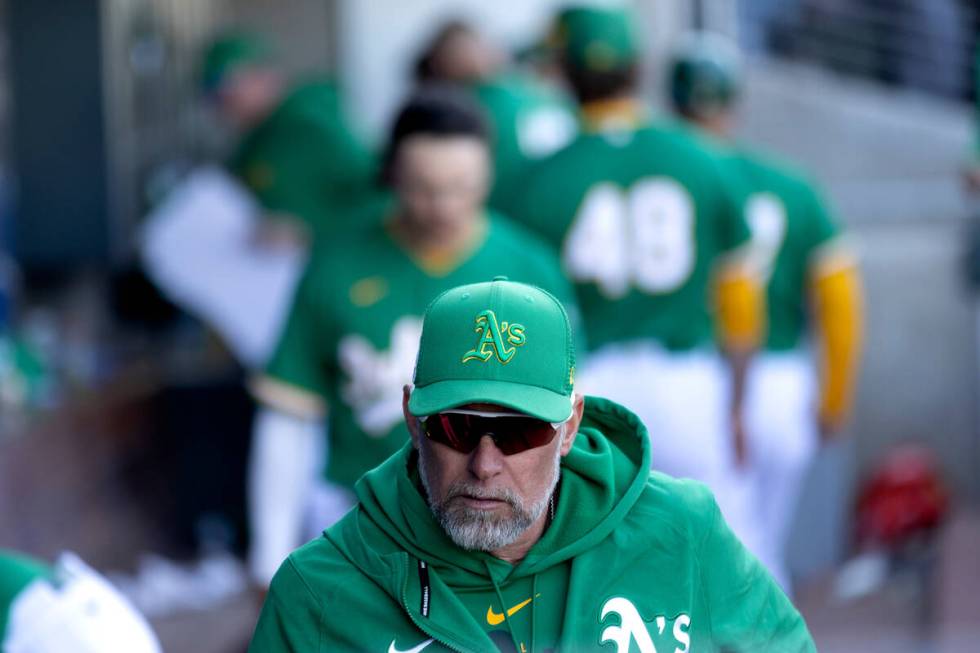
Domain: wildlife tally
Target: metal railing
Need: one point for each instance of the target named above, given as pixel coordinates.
(922, 44)
(150, 54)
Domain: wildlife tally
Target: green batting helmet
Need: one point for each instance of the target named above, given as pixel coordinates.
(705, 74)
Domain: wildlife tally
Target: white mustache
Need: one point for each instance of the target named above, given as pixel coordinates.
(499, 494)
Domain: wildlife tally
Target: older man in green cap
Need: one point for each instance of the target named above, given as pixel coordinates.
(522, 517)
(297, 153)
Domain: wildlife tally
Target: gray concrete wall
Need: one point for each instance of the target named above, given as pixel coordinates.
(304, 30)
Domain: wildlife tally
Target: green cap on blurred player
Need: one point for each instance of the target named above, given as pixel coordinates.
(705, 74)
(230, 51)
(499, 342)
(595, 39)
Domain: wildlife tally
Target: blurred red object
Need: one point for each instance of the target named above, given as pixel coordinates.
(905, 497)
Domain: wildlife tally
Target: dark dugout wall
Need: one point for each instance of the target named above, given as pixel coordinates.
(59, 159)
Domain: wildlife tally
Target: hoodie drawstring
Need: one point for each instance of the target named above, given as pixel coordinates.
(534, 613)
(503, 607)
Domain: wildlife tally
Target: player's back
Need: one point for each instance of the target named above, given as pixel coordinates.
(529, 120)
(790, 226)
(638, 215)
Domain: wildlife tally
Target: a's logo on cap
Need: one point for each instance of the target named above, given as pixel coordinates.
(493, 341)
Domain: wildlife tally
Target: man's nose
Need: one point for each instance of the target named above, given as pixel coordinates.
(486, 461)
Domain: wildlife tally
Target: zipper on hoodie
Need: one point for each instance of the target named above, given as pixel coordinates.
(418, 624)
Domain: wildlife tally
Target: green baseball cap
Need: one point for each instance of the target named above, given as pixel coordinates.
(705, 73)
(499, 342)
(547, 47)
(597, 39)
(229, 51)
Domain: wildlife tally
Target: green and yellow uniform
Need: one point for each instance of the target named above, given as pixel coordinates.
(809, 269)
(350, 342)
(641, 213)
(528, 122)
(304, 161)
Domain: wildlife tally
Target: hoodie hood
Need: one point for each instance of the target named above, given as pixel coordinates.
(601, 479)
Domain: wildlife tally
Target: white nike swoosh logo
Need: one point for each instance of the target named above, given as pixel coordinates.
(392, 649)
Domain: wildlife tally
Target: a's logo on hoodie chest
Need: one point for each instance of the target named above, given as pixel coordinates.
(632, 628)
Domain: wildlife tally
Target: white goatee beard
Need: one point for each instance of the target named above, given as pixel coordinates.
(483, 530)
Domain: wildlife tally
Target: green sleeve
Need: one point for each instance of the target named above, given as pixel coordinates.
(347, 164)
(291, 618)
(546, 270)
(821, 226)
(534, 207)
(748, 610)
(302, 356)
(733, 192)
(288, 186)
(555, 282)
(319, 170)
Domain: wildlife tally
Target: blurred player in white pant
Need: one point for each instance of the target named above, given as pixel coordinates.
(812, 292)
(650, 229)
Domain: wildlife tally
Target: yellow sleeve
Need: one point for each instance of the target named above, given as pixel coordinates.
(837, 302)
(739, 305)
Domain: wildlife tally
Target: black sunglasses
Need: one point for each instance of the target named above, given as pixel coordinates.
(512, 433)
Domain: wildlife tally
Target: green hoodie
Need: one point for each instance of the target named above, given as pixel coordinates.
(651, 567)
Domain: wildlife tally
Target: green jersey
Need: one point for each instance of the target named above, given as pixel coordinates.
(353, 331)
(639, 215)
(631, 561)
(16, 573)
(790, 225)
(304, 161)
(529, 121)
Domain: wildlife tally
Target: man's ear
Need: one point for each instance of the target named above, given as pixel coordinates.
(411, 421)
(571, 426)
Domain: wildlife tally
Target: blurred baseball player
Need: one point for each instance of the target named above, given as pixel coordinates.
(522, 517)
(228, 243)
(297, 153)
(528, 118)
(812, 289)
(352, 336)
(68, 608)
(651, 231)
